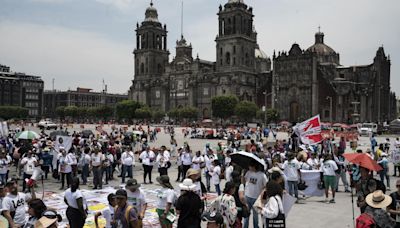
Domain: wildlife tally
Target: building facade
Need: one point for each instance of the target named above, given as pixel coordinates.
(241, 69)
(81, 97)
(302, 83)
(19, 89)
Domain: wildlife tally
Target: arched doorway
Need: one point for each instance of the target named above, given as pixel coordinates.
(206, 113)
(294, 111)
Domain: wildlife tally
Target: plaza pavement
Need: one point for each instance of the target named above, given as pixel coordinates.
(313, 213)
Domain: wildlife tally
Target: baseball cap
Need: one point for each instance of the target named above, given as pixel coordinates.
(121, 193)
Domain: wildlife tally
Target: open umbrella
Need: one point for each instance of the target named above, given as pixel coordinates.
(28, 135)
(137, 132)
(363, 160)
(86, 133)
(243, 159)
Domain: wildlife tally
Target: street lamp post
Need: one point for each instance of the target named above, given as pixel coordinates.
(265, 106)
(330, 108)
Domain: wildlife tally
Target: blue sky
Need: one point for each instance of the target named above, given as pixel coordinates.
(82, 42)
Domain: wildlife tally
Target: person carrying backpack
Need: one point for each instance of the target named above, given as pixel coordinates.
(124, 214)
(375, 214)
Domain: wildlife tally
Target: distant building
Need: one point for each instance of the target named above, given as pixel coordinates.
(19, 89)
(398, 107)
(81, 97)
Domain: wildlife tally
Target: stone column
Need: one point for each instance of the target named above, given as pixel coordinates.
(363, 109)
(314, 95)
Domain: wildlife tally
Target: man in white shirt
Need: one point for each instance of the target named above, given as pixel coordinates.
(97, 160)
(291, 169)
(127, 160)
(197, 161)
(65, 168)
(13, 205)
(147, 157)
(208, 159)
(186, 161)
(136, 198)
(29, 162)
(328, 169)
(85, 162)
(107, 166)
(163, 161)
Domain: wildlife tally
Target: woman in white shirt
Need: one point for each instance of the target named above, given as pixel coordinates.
(77, 208)
(29, 162)
(166, 198)
(197, 160)
(273, 210)
(215, 172)
(163, 161)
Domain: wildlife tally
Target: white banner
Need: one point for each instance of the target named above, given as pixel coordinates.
(63, 141)
(312, 179)
(309, 131)
(395, 156)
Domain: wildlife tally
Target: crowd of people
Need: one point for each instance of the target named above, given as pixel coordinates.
(254, 191)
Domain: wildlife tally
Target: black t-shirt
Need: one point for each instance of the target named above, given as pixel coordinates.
(189, 205)
(395, 205)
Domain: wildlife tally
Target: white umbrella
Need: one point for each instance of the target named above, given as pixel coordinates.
(243, 159)
(28, 135)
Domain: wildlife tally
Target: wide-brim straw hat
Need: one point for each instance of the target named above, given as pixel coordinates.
(187, 185)
(378, 200)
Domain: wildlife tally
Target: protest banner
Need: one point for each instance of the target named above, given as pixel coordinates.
(63, 141)
(312, 178)
(309, 131)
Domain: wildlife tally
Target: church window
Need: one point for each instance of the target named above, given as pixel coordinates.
(234, 61)
(247, 59)
(341, 75)
(159, 68)
(205, 91)
(220, 51)
(158, 94)
(223, 26)
(142, 68)
(221, 61)
(234, 49)
(228, 58)
(223, 91)
(234, 25)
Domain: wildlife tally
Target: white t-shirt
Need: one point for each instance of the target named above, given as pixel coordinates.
(255, 183)
(108, 214)
(186, 158)
(147, 157)
(163, 158)
(65, 164)
(314, 162)
(16, 203)
(72, 156)
(215, 172)
(164, 196)
(137, 199)
(198, 160)
(128, 158)
(328, 168)
(29, 164)
(3, 166)
(97, 159)
(228, 173)
(291, 170)
(85, 159)
(208, 159)
(73, 196)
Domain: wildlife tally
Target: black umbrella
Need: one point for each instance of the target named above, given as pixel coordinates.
(243, 159)
(87, 133)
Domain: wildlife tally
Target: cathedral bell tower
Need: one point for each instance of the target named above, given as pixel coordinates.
(151, 58)
(236, 40)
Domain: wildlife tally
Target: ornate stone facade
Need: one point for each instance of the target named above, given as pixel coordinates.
(241, 69)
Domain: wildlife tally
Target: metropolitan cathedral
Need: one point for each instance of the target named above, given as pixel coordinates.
(298, 83)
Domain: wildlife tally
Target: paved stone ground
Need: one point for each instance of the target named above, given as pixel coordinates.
(313, 213)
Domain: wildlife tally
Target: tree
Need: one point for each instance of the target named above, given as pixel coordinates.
(143, 113)
(223, 106)
(246, 110)
(158, 114)
(82, 112)
(188, 112)
(272, 115)
(10, 112)
(60, 112)
(104, 112)
(126, 109)
(71, 111)
(174, 113)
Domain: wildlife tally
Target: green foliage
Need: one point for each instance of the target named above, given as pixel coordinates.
(82, 112)
(126, 109)
(10, 112)
(104, 112)
(71, 111)
(246, 110)
(143, 113)
(188, 112)
(224, 106)
(272, 115)
(173, 113)
(158, 114)
(60, 111)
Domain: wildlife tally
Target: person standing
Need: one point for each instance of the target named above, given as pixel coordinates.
(3, 167)
(215, 173)
(147, 157)
(47, 159)
(186, 160)
(127, 160)
(208, 159)
(76, 202)
(377, 203)
(328, 169)
(137, 199)
(108, 212)
(65, 168)
(225, 205)
(291, 169)
(374, 143)
(125, 215)
(341, 172)
(188, 206)
(273, 210)
(29, 162)
(85, 162)
(96, 164)
(163, 161)
(197, 161)
(13, 204)
(255, 180)
(384, 173)
(165, 200)
(107, 166)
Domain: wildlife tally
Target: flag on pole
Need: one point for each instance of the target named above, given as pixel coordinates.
(309, 131)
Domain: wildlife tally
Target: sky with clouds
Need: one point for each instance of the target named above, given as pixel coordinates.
(82, 42)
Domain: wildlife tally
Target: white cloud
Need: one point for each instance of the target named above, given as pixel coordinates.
(74, 58)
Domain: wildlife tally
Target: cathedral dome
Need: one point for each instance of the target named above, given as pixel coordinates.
(151, 14)
(319, 47)
(260, 54)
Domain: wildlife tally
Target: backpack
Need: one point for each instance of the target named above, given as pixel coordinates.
(127, 211)
(365, 221)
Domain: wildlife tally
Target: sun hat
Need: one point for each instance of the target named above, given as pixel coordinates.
(192, 172)
(132, 183)
(214, 217)
(378, 200)
(275, 169)
(48, 218)
(187, 185)
(164, 181)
